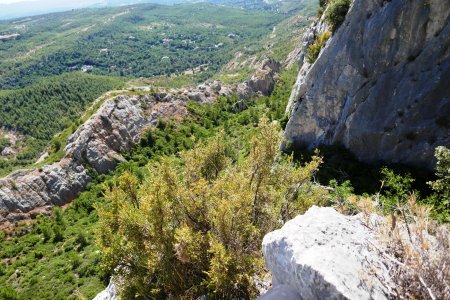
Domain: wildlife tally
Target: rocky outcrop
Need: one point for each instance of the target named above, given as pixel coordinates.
(262, 82)
(380, 87)
(22, 192)
(113, 129)
(99, 143)
(325, 255)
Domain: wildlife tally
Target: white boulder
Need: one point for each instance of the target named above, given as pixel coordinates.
(326, 255)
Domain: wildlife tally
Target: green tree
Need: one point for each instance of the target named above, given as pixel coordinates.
(440, 200)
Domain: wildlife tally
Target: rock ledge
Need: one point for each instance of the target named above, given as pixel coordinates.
(325, 255)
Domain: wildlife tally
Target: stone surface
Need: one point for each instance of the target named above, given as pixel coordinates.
(380, 87)
(325, 255)
(56, 184)
(109, 293)
(113, 129)
(262, 81)
(281, 291)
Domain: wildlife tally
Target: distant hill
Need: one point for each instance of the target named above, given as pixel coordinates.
(37, 7)
(136, 41)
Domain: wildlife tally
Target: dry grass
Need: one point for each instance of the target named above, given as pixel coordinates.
(416, 249)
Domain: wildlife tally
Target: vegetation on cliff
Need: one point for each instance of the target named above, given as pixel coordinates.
(185, 215)
(168, 138)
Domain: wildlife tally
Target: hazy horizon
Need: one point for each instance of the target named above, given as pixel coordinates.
(11, 9)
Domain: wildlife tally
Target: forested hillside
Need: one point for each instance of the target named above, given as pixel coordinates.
(39, 111)
(135, 41)
(179, 43)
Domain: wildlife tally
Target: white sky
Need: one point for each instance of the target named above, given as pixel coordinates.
(14, 1)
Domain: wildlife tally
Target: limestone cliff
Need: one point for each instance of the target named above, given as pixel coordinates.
(381, 85)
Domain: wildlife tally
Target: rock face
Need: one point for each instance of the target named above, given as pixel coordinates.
(281, 291)
(98, 143)
(325, 255)
(109, 293)
(262, 82)
(380, 87)
(114, 128)
(24, 191)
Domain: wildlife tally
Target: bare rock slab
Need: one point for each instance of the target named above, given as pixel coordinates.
(325, 255)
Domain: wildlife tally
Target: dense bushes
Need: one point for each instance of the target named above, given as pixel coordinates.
(4, 142)
(336, 12)
(440, 199)
(196, 228)
(313, 50)
(55, 258)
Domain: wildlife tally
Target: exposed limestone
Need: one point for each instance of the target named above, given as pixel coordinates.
(262, 82)
(325, 255)
(109, 293)
(24, 191)
(113, 129)
(100, 142)
(281, 291)
(380, 87)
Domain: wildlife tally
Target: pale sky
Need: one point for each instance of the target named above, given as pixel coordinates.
(14, 1)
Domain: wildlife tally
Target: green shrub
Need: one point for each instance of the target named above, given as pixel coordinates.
(440, 200)
(314, 49)
(8, 293)
(196, 228)
(74, 260)
(336, 12)
(58, 233)
(4, 142)
(38, 254)
(397, 189)
(81, 240)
